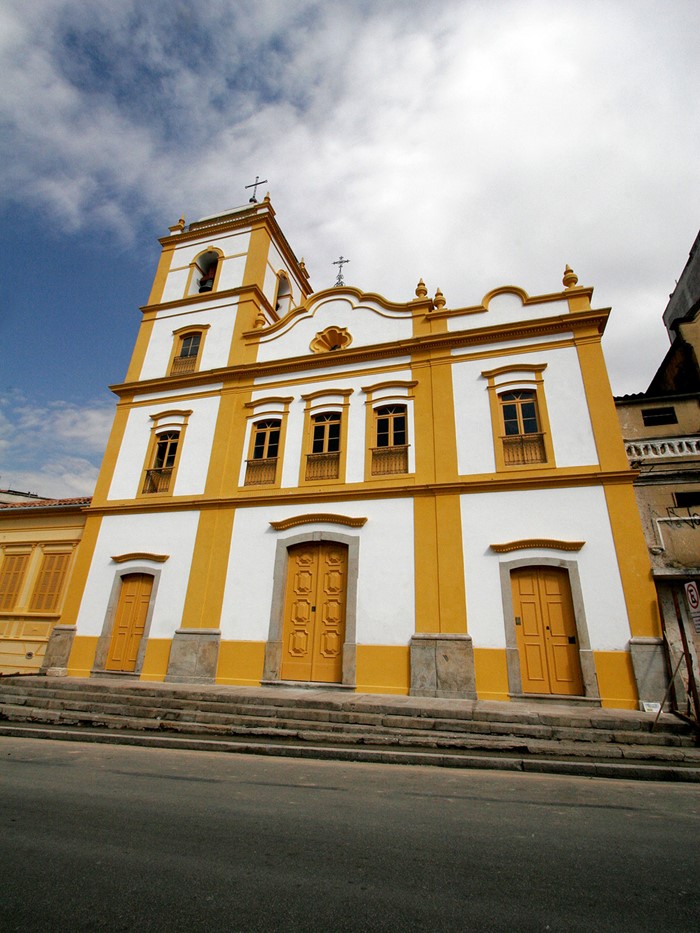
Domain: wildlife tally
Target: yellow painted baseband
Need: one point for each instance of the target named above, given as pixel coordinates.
(241, 663)
(491, 674)
(155, 662)
(616, 683)
(82, 656)
(383, 669)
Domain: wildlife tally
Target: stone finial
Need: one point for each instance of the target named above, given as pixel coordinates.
(267, 197)
(439, 300)
(302, 266)
(260, 321)
(179, 226)
(570, 278)
(421, 290)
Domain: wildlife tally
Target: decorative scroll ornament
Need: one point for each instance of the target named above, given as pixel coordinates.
(544, 543)
(332, 338)
(311, 518)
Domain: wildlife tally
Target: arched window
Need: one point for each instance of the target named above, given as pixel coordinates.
(283, 296)
(207, 265)
(186, 359)
(323, 462)
(391, 452)
(262, 467)
(165, 452)
(523, 441)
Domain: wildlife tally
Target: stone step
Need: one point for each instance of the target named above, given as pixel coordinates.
(279, 719)
(153, 719)
(325, 710)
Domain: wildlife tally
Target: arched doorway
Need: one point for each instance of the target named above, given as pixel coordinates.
(313, 629)
(129, 622)
(545, 631)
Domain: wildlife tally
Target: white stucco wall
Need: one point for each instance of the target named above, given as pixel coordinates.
(562, 514)
(572, 433)
(506, 308)
(216, 347)
(367, 323)
(194, 453)
(386, 586)
(171, 533)
(357, 414)
(234, 246)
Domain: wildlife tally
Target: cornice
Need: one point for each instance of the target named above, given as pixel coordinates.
(492, 482)
(424, 345)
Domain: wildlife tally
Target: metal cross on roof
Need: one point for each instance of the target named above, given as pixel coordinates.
(254, 186)
(340, 263)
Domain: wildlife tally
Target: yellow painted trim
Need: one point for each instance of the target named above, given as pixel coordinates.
(82, 656)
(440, 595)
(491, 671)
(179, 336)
(241, 663)
(633, 562)
(164, 266)
(312, 517)
(195, 268)
(383, 669)
(616, 680)
(140, 555)
(262, 415)
(228, 444)
(81, 569)
(151, 452)
(155, 661)
(317, 403)
(535, 384)
(544, 543)
(601, 406)
(109, 461)
(207, 579)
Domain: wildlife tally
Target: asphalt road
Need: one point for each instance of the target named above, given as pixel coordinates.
(117, 838)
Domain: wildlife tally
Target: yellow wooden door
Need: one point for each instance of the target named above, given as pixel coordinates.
(314, 613)
(129, 622)
(546, 633)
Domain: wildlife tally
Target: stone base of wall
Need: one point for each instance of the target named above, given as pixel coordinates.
(650, 669)
(193, 656)
(442, 666)
(55, 663)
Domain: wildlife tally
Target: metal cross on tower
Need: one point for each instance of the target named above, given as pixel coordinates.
(340, 263)
(254, 186)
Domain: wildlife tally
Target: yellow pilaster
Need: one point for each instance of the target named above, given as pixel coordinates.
(205, 590)
(83, 560)
(116, 437)
(441, 603)
(601, 407)
(633, 561)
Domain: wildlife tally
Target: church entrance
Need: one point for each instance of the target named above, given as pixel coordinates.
(314, 612)
(129, 622)
(545, 630)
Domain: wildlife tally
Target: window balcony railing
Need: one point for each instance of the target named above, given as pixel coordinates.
(259, 472)
(183, 364)
(323, 466)
(522, 449)
(387, 460)
(157, 480)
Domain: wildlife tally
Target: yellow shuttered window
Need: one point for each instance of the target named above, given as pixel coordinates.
(11, 576)
(49, 584)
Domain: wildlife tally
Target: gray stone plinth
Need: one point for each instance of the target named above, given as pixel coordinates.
(193, 656)
(55, 662)
(442, 666)
(650, 669)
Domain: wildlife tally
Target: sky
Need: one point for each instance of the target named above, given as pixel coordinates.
(473, 143)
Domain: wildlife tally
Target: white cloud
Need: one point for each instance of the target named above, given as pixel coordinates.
(470, 143)
(51, 449)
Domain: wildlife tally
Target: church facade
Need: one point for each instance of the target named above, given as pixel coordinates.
(333, 488)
